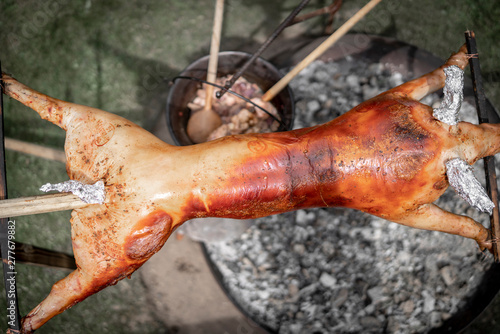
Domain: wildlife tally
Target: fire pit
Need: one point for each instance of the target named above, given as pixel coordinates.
(342, 271)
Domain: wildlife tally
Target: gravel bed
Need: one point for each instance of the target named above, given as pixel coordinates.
(339, 270)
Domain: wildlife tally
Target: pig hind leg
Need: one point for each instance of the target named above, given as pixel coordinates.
(48, 108)
(428, 83)
(431, 217)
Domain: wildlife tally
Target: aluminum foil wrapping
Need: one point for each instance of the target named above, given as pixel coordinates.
(89, 193)
(453, 96)
(462, 179)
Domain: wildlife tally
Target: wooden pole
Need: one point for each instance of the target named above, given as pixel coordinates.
(274, 90)
(40, 204)
(43, 257)
(214, 52)
(36, 150)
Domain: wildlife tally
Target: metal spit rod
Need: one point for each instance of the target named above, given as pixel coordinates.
(7, 244)
(489, 162)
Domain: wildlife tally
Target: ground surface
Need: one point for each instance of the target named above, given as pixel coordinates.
(114, 55)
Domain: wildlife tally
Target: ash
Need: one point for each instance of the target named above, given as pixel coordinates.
(342, 271)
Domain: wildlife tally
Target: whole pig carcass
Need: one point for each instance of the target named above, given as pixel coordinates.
(386, 157)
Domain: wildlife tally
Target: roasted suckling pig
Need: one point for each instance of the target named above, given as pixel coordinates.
(387, 157)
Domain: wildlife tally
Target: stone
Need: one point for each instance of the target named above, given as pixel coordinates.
(308, 290)
(328, 248)
(370, 323)
(303, 217)
(448, 274)
(299, 249)
(435, 319)
(376, 294)
(393, 324)
(293, 289)
(352, 80)
(340, 298)
(369, 92)
(408, 306)
(396, 79)
(328, 280)
(429, 302)
(369, 309)
(313, 106)
(296, 328)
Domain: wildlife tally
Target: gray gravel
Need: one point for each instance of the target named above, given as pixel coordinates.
(339, 270)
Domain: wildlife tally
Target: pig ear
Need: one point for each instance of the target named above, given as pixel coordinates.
(453, 96)
(462, 179)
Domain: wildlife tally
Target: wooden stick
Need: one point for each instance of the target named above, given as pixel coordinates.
(43, 257)
(214, 52)
(40, 204)
(274, 90)
(36, 150)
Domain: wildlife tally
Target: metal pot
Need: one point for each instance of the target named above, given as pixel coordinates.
(260, 72)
